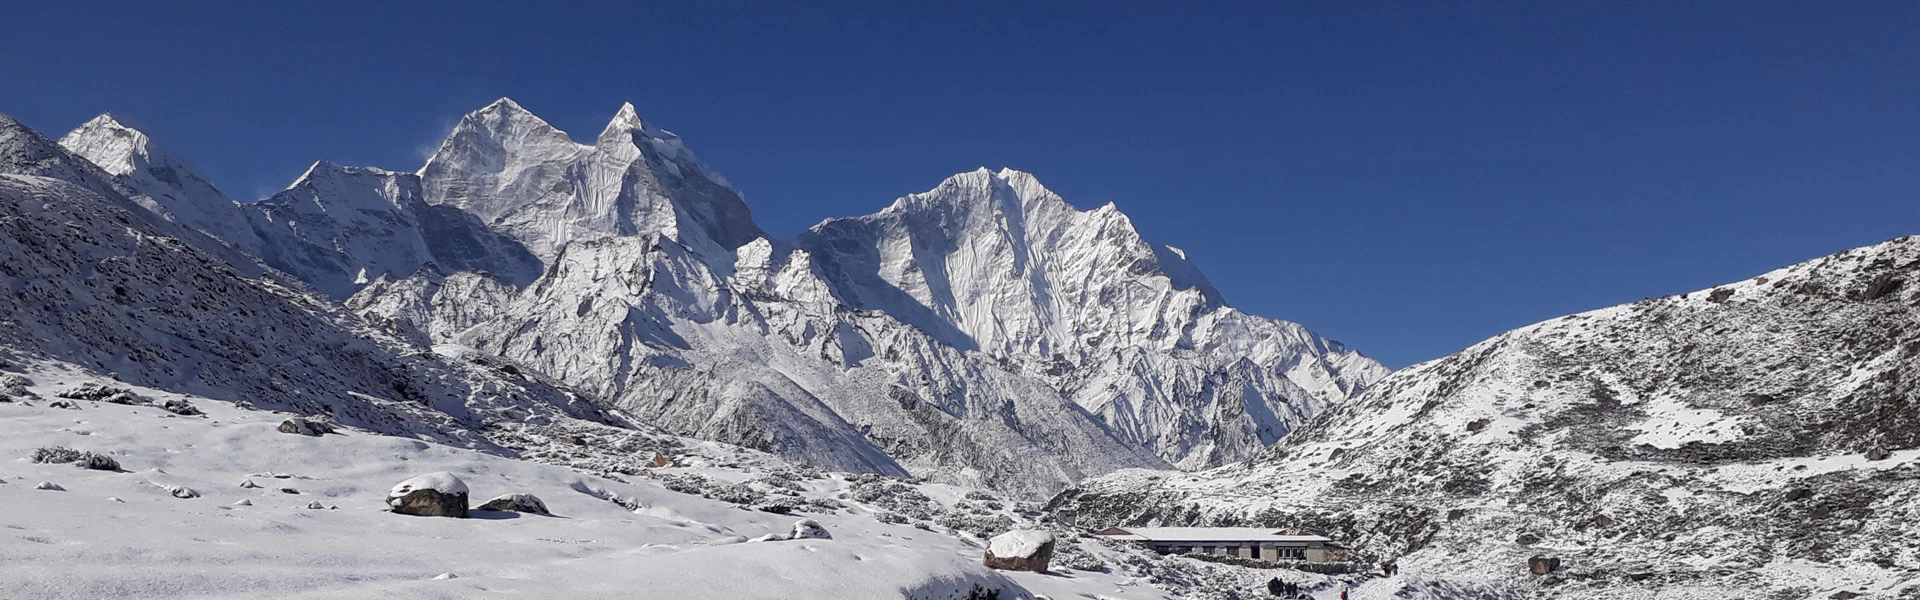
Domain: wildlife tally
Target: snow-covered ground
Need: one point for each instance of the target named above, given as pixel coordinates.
(250, 528)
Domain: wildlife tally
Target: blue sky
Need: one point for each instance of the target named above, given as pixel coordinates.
(1408, 178)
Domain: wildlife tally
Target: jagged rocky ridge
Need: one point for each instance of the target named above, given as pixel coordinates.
(1755, 440)
(94, 279)
(984, 332)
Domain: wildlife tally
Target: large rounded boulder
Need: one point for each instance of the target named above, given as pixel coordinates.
(1020, 550)
(430, 495)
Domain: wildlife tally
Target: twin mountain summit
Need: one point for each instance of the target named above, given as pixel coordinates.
(984, 333)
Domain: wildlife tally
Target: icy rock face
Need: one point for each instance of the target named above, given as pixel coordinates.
(1727, 425)
(1129, 331)
(338, 228)
(97, 280)
(531, 181)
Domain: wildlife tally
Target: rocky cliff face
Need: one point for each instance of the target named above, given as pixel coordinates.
(1757, 439)
(985, 332)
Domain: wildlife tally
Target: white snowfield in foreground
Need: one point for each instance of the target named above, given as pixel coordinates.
(82, 543)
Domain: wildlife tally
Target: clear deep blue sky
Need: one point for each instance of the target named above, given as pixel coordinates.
(1409, 179)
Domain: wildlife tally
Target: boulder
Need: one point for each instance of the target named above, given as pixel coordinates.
(1878, 454)
(1542, 565)
(523, 503)
(1020, 550)
(180, 407)
(430, 495)
(809, 529)
(302, 426)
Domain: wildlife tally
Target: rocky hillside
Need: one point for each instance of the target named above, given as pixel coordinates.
(92, 278)
(1755, 440)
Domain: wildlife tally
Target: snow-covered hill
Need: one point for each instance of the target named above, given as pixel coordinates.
(985, 332)
(1758, 439)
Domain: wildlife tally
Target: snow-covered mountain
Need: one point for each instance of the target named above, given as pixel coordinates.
(1757, 439)
(985, 332)
(1130, 331)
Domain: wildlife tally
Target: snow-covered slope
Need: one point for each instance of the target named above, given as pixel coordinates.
(165, 182)
(94, 279)
(313, 523)
(1718, 444)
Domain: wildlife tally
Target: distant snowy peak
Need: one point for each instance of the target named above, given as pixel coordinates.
(985, 251)
(529, 180)
(163, 181)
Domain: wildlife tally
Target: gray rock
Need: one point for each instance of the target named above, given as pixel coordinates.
(430, 495)
(180, 407)
(809, 529)
(1542, 565)
(1878, 454)
(49, 486)
(1020, 550)
(303, 426)
(78, 458)
(524, 503)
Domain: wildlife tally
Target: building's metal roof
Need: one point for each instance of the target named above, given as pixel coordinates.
(1206, 534)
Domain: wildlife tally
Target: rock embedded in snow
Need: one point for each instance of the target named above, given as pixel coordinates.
(304, 426)
(49, 486)
(182, 492)
(180, 407)
(99, 392)
(809, 529)
(804, 529)
(445, 576)
(1020, 550)
(243, 502)
(248, 483)
(524, 503)
(1542, 565)
(438, 494)
(78, 458)
(1877, 453)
